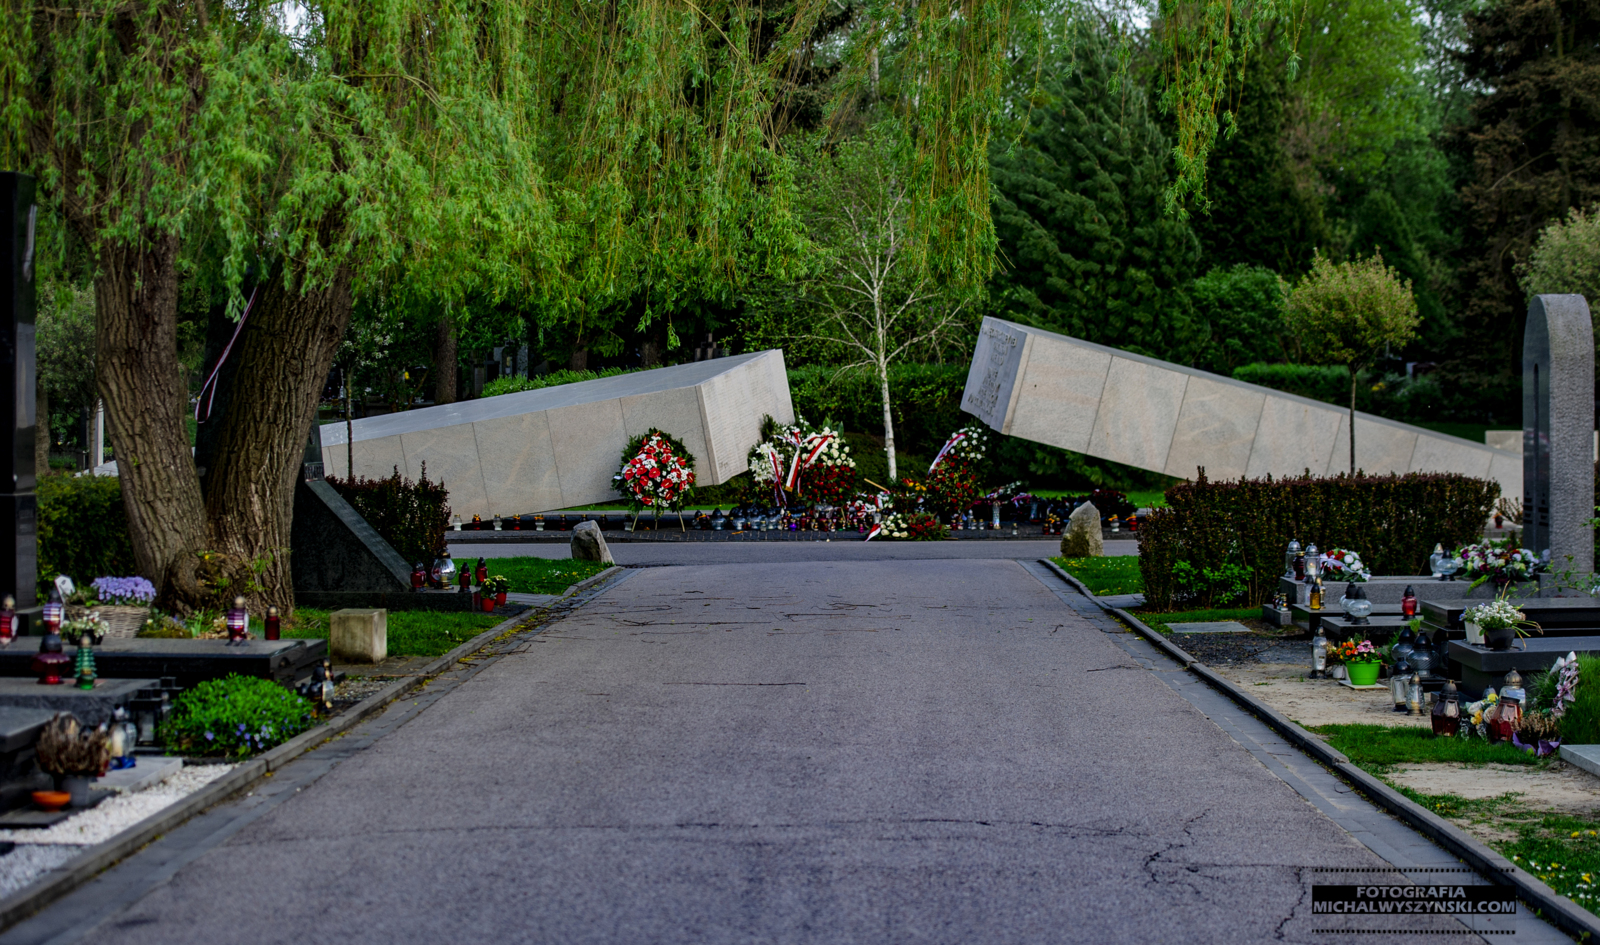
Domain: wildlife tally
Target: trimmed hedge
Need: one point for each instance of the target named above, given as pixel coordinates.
(1393, 521)
(411, 516)
(925, 402)
(83, 529)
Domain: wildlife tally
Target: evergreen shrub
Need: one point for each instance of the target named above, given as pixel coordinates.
(83, 529)
(411, 516)
(235, 717)
(924, 401)
(1392, 521)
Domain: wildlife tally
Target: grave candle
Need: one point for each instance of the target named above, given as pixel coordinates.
(1408, 603)
(1399, 683)
(8, 621)
(1290, 556)
(1319, 655)
(238, 620)
(274, 624)
(1414, 694)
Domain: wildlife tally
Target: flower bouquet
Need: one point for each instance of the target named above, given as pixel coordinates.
(657, 473)
(803, 462)
(911, 526)
(1361, 661)
(1344, 565)
(1500, 562)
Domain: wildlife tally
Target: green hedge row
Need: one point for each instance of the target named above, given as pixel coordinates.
(925, 401)
(83, 529)
(411, 516)
(1393, 522)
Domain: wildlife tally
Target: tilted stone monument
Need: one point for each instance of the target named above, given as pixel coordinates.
(1170, 419)
(1083, 537)
(556, 448)
(1558, 431)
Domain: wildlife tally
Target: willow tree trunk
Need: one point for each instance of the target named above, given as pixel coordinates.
(146, 395)
(287, 352)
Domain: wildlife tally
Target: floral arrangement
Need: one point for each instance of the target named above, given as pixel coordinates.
(74, 630)
(1498, 614)
(1499, 561)
(1472, 721)
(953, 486)
(124, 591)
(1352, 652)
(657, 471)
(912, 526)
(974, 443)
(1345, 565)
(803, 460)
(1565, 670)
(499, 584)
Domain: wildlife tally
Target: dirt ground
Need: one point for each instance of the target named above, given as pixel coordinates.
(1314, 701)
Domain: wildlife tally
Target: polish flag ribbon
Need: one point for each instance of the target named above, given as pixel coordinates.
(950, 443)
(874, 533)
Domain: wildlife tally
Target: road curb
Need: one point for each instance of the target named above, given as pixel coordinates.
(1554, 908)
(55, 884)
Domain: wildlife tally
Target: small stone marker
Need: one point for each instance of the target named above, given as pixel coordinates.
(1558, 431)
(1083, 538)
(359, 636)
(1219, 626)
(589, 545)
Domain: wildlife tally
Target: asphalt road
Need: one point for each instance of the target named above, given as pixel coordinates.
(887, 751)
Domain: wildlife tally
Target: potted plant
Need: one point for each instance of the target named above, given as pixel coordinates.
(1501, 623)
(1361, 661)
(500, 585)
(74, 755)
(124, 603)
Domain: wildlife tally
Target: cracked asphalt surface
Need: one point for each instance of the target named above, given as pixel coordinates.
(890, 751)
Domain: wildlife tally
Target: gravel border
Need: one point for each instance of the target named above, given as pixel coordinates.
(1556, 909)
(92, 861)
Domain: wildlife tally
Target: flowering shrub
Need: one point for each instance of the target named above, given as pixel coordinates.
(128, 591)
(1352, 652)
(912, 526)
(657, 471)
(235, 717)
(1499, 561)
(1345, 565)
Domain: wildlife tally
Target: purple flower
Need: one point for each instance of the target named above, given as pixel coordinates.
(210, 737)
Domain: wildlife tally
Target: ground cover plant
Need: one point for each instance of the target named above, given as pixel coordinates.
(234, 717)
(411, 632)
(1110, 575)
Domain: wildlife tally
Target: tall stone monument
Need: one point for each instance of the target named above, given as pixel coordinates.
(19, 551)
(1558, 431)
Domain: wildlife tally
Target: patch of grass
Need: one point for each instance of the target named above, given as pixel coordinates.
(1381, 747)
(1480, 809)
(1159, 622)
(411, 632)
(1141, 498)
(1113, 575)
(1564, 852)
(540, 575)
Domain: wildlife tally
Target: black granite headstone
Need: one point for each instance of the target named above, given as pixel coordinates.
(19, 554)
(1558, 431)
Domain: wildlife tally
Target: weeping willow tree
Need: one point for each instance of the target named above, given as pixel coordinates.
(564, 152)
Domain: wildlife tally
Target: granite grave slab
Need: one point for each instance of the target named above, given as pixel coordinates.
(91, 706)
(1481, 667)
(190, 661)
(1557, 430)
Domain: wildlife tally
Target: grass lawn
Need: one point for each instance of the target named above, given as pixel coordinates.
(539, 575)
(1111, 575)
(1378, 748)
(1158, 622)
(1141, 499)
(411, 632)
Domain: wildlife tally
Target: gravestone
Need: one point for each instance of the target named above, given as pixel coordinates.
(1083, 538)
(1558, 431)
(19, 553)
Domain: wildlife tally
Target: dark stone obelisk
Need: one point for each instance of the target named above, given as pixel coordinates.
(1558, 432)
(19, 550)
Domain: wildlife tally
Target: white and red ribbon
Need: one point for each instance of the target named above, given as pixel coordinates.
(874, 533)
(954, 439)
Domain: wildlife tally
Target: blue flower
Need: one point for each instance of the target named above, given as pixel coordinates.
(210, 737)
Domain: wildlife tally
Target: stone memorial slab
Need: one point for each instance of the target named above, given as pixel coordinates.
(1170, 419)
(556, 448)
(148, 770)
(1586, 757)
(91, 706)
(1558, 431)
(19, 727)
(1482, 667)
(1218, 626)
(189, 661)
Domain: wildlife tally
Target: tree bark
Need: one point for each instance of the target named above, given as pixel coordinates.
(580, 358)
(888, 419)
(287, 352)
(446, 362)
(142, 383)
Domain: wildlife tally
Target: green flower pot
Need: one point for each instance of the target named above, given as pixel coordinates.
(1363, 674)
